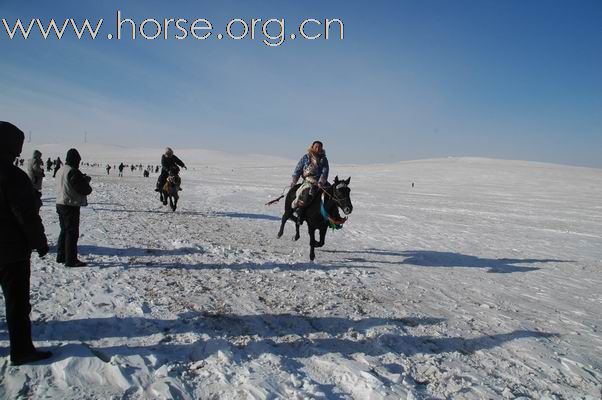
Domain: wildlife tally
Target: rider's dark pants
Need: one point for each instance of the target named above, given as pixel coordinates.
(162, 179)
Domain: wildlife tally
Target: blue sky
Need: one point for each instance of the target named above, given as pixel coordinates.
(411, 79)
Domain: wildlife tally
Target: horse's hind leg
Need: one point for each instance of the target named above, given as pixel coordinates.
(288, 214)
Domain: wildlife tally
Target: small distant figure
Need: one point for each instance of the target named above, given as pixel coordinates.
(108, 168)
(157, 169)
(48, 165)
(121, 167)
(35, 171)
(133, 168)
(57, 165)
(412, 184)
(145, 173)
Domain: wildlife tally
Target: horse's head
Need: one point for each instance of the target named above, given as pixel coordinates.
(341, 194)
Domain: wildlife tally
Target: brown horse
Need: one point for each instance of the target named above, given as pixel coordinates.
(169, 191)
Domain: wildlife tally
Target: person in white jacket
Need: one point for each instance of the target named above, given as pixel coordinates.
(35, 170)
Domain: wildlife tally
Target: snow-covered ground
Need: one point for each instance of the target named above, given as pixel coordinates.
(481, 282)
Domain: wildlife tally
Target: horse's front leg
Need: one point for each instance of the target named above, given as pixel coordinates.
(322, 236)
(312, 243)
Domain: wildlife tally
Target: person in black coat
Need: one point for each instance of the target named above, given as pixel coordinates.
(21, 231)
(72, 190)
(168, 161)
(57, 165)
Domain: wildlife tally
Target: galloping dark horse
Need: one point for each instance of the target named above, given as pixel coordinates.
(321, 213)
(169, 191)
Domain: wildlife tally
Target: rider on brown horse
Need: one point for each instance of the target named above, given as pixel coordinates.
(168, 161)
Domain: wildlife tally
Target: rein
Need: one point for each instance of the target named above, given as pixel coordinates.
(333, 223)
(332, 197)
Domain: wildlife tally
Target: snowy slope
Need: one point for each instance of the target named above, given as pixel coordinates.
(482, 281)
(111, 154)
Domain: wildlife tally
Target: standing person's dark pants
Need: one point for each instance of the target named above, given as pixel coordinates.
(66, 251)
(55, 171)
(14, 279)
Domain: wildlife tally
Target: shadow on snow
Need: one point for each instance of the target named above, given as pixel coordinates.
(134, 251)
(290, 337)
(427, 258)
(219, 214)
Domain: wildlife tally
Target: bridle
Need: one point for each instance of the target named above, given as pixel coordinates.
(334, 196)
(334, 223)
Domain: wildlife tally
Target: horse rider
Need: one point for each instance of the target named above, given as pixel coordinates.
(168, 160)
(313, 167)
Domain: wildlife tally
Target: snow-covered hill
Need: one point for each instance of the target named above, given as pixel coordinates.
(103, 154)
(482, 281)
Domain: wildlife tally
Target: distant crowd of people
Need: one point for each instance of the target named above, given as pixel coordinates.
(146, 170)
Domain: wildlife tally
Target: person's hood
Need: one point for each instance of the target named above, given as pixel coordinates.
(321, 154)
(73, 158)
(11, 139)
(37, 154)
